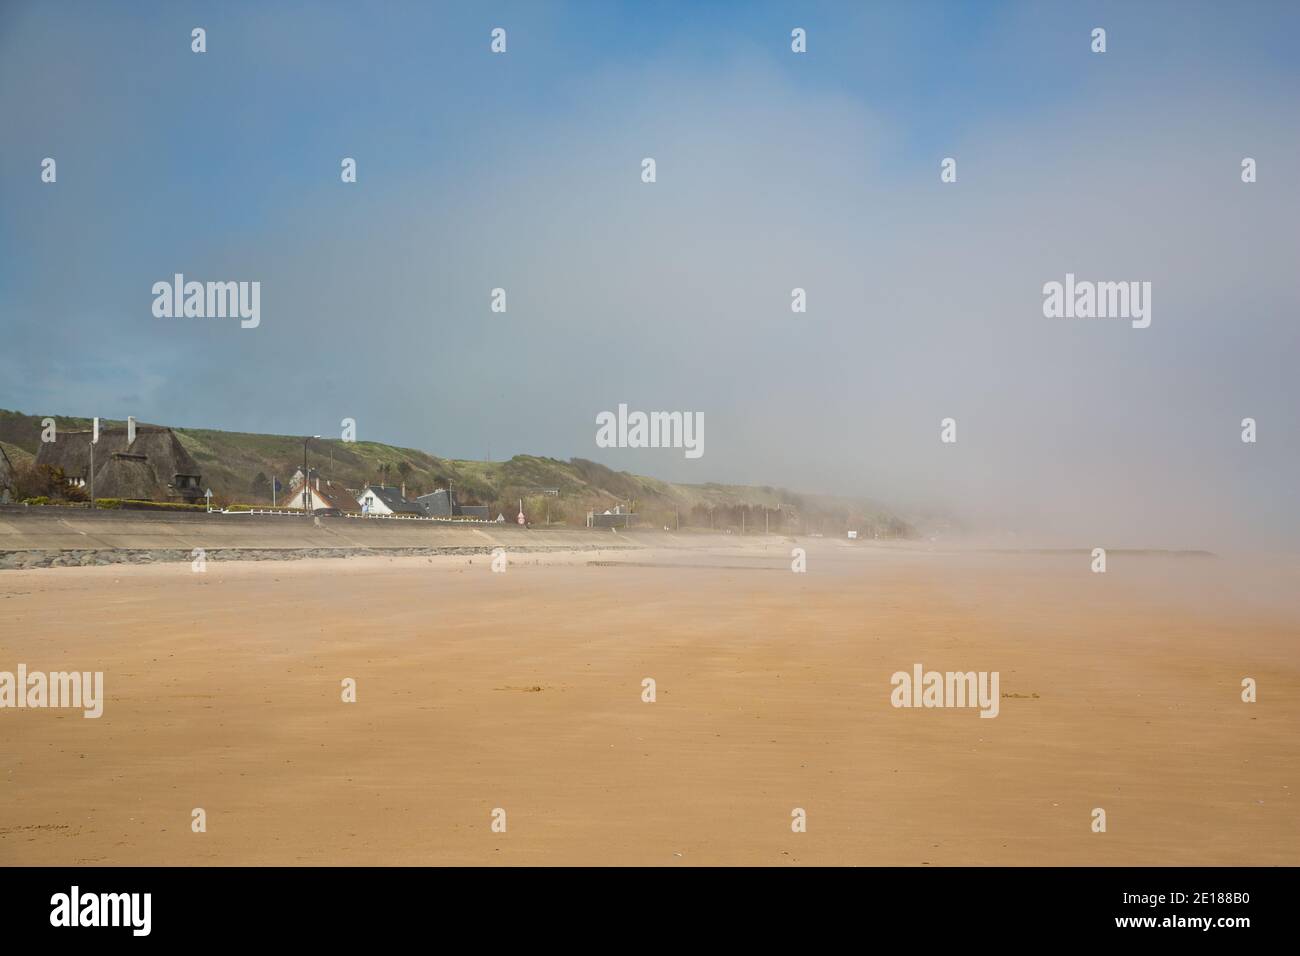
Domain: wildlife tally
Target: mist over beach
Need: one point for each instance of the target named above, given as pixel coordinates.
(775, 171)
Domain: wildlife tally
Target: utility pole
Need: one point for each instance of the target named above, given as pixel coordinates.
(94, 440)
(306, 478)
(765, 523)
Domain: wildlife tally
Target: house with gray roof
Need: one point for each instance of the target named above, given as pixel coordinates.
(381, 500)
(440, 504)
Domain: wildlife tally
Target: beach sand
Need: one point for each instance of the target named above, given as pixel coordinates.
(522, 691)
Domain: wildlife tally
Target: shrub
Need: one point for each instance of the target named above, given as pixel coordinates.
(160, 506)
(258, 507)
(44, 481)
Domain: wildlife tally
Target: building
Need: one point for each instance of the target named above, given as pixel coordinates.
(380, 500)
(6, 478)
(615, 518)
(321, 495)
(439, 504)
(132, 462)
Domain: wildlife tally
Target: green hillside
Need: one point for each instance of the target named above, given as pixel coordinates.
(239, 466)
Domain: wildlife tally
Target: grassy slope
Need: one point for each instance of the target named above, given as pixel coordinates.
(230, 460)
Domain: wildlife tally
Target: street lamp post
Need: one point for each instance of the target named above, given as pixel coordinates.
(306, 482)
(94, 439)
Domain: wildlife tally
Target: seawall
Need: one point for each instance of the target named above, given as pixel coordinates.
(58, 529)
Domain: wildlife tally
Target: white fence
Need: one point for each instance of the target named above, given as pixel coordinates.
(350, 514)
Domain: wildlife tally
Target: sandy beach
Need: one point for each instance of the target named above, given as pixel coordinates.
(522, 691)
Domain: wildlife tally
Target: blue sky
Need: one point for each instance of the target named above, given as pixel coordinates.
(775, 170)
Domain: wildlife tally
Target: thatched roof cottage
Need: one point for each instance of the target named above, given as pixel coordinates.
(6, 477)
(154, 467)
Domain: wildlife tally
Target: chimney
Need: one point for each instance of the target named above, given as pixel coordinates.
(130, 430)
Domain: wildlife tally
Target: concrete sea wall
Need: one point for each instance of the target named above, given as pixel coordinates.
(41, 536)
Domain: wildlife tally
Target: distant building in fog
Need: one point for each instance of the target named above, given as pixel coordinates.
(613, 518)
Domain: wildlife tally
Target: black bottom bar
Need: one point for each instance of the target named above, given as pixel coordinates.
(553, 906)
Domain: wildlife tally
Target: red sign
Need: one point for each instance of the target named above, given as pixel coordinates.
(520, 519)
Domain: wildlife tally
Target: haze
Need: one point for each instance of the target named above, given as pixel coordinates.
(775, 171)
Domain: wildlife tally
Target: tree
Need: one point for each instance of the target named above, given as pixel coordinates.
(260, 486)
(44, 481)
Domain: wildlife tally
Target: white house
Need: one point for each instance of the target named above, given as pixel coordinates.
(378, 500)
(322, 495)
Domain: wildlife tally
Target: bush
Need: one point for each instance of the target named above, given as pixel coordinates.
(160, 506)
(258, 507)
(31, 480)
